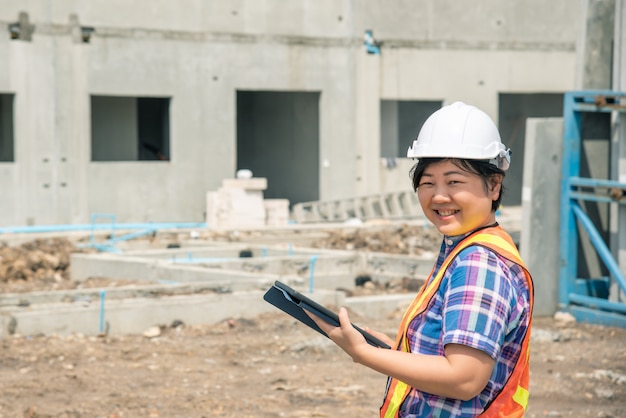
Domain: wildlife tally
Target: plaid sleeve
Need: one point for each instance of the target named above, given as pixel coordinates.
(478, 300)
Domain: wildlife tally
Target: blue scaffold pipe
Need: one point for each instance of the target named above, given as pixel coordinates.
(587, 182)
(600, 246)
(597, 303)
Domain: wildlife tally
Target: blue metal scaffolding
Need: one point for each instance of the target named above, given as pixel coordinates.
(587, 298)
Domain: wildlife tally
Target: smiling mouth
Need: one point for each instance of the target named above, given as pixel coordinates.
(448, 212)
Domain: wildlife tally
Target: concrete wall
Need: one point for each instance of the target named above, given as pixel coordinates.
(200, 52)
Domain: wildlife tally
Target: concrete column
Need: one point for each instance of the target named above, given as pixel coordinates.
(540, 209)
(25, 135)
(367, 120)
(593, 69)
(77, 146)
(618, 141)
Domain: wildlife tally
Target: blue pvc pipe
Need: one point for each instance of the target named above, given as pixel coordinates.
(312, 272)
(133, 235)
(95, 216)
(100, 227)
(102, 296)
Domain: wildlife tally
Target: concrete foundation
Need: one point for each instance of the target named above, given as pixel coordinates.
(203, 284)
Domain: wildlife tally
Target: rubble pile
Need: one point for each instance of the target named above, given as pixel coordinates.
(41, 260)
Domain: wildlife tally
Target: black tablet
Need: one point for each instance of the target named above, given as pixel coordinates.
(294, 303)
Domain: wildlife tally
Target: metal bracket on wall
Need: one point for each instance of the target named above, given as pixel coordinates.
(587, 298)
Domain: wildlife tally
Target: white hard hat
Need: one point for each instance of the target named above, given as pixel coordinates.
(460, 131)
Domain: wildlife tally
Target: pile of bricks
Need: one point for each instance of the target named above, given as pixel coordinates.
(239, 203)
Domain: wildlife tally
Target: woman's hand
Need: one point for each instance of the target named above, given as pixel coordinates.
(345, 336)
(381, 336)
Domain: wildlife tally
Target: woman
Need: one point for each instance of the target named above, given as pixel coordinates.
(462, 345)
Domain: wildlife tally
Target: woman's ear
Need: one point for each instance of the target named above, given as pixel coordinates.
(496, 186)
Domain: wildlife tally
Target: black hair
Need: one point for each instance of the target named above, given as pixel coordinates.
(485, 170)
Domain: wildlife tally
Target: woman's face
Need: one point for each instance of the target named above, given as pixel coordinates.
(454, 200)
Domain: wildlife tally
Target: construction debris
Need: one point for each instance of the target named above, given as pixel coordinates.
(402, 239)
(43, 260)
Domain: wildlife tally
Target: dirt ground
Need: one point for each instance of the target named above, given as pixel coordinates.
(270, 366)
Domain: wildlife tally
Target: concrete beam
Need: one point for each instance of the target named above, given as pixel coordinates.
(131, 316)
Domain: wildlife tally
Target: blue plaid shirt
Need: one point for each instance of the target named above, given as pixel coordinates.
(482, 302)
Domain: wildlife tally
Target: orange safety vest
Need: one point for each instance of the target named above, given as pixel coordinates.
(512, 400)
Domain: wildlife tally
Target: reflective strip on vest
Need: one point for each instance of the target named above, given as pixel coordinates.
(399, 393)
(513, 398)
(521, 397)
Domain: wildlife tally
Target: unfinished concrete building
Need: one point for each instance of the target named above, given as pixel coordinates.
(141, 116)
(139, 109)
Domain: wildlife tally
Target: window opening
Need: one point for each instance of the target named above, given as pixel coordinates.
(130, 128)
(6, 128)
